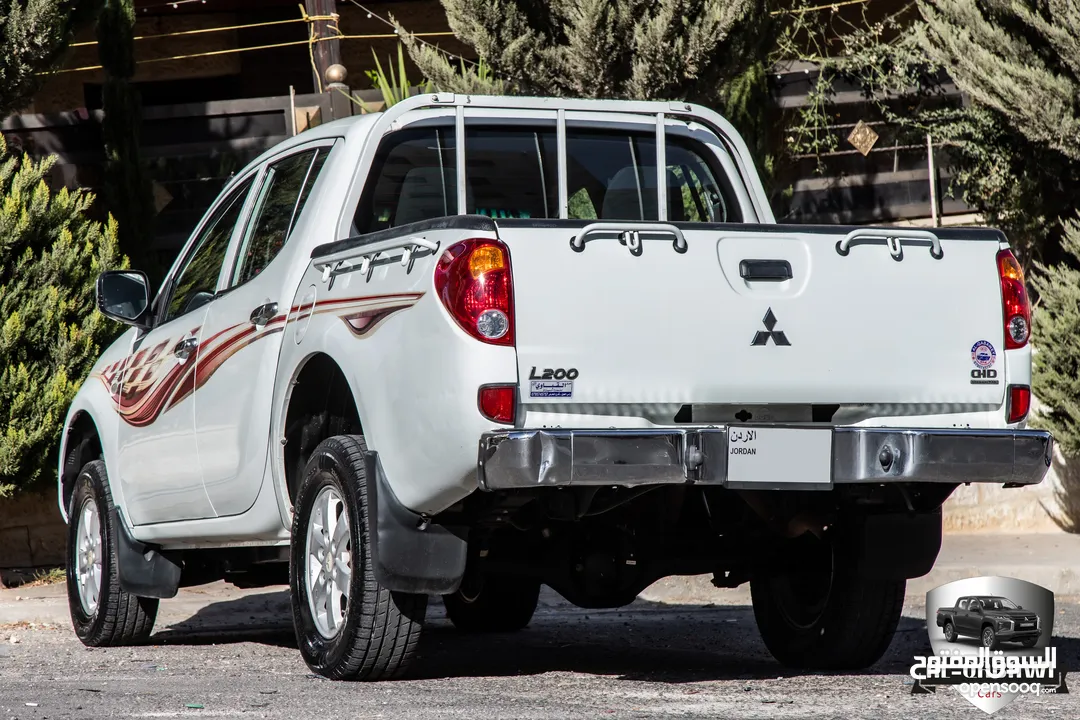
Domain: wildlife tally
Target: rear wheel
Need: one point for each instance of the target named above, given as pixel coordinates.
(493, 603)
(818, 615)
(348, 626)
(102, 613)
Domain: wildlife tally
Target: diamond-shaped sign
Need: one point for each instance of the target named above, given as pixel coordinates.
(863, 137)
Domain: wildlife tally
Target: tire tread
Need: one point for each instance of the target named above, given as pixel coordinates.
(388, 632)
(128, 619)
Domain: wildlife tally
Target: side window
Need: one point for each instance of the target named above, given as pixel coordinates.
(285, 189)
(196, 281)
(963, 604)
(412, 178)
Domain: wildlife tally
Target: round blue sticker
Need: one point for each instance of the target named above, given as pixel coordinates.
(982, 354)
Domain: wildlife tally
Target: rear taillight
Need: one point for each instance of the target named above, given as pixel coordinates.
(1019, 402)
(498, 403)
(472, 278)
(1014, 301)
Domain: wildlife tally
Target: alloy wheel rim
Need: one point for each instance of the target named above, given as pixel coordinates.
(88, 557)
(328, 566)
(988, 637)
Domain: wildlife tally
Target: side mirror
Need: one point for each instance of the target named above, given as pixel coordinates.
(124, 295)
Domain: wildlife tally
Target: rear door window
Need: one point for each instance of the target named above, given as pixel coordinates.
(412, 178)
(284, 193)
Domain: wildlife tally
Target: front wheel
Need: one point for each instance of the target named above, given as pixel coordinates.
(950, 632)
(819, 615)
(989, 638)
(348, 626)
(493, 603)
(102, 613)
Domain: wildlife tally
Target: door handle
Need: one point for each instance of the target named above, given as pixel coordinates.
(263, 314)
(765, 270)
(185, 347)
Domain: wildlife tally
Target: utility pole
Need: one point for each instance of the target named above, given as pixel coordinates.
(326, 52)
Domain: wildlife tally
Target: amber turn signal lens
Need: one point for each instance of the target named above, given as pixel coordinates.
(485, 259)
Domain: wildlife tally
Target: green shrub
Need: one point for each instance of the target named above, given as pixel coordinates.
(50, 333)
(1056, 371)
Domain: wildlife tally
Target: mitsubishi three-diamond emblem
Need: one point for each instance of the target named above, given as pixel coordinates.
(770, 331)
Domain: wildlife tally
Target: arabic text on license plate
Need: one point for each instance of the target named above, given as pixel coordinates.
(779, 457)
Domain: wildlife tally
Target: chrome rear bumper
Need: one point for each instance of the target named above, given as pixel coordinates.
(559, 457)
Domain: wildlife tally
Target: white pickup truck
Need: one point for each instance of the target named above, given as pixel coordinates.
(473, 345)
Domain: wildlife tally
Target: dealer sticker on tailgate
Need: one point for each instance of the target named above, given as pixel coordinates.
(779, 457)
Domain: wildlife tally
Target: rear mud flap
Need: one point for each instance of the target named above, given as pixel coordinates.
(410, 553)
(896, 546)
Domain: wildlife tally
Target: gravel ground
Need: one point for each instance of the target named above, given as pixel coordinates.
(646, 660)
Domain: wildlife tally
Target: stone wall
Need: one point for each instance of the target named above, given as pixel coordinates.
(32, 532)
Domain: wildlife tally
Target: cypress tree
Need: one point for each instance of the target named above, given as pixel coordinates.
(50, 331)
(33, 37)
(1056, 371)
(636, 49)
(1020, 58)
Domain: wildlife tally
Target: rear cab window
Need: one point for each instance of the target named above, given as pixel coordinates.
(511, 172)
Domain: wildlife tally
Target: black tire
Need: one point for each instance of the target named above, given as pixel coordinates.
(380, 630)
(1029, 642)
(493, 603)
(820, 616)
(989, 638)
(119, 617)
(950, 632)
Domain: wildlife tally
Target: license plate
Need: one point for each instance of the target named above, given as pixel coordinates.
(764, 457)
(1026, 625)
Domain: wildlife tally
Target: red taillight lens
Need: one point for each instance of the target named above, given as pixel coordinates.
(1019, 402)
(498, 403)
(472, 278)
(1014, 301)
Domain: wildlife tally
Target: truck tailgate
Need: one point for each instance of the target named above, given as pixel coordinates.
(714, 324)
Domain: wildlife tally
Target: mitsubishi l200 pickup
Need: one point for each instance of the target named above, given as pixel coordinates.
(991, 619)
(473, 345)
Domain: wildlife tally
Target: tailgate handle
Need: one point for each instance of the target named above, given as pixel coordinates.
(629, 234)
(765, 270)
(893, 239)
